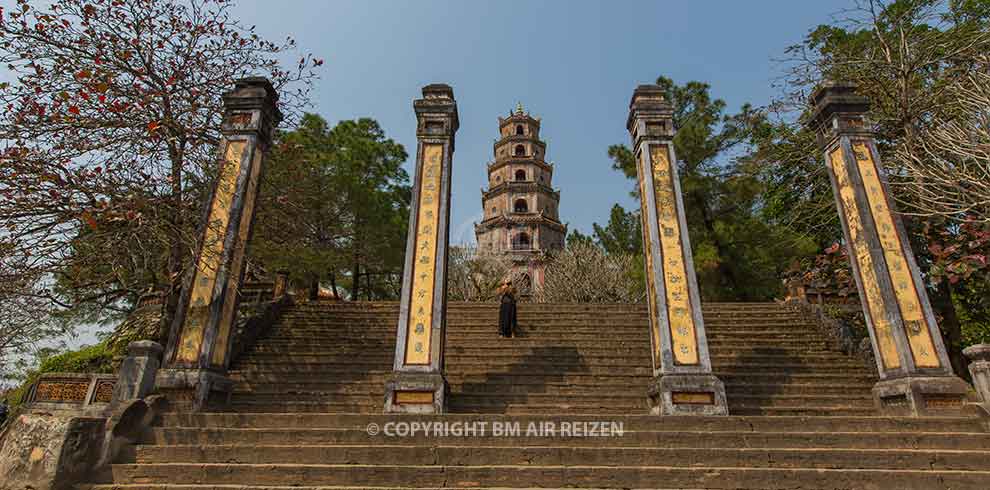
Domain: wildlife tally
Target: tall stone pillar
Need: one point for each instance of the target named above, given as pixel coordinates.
(683, 380)
(417, 384)
(915, 375)
(199, 340)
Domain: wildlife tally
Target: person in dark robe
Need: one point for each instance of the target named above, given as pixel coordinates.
(507, 309)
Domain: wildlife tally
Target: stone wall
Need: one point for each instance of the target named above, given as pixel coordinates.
(48, 450)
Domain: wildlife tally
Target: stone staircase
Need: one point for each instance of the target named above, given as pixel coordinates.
(568, 359)
(308, 400)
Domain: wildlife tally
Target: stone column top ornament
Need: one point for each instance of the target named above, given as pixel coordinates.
(250, 94)
(436, 112)
(649, 103)
(978, 352)
(145, 348)
(839, 99)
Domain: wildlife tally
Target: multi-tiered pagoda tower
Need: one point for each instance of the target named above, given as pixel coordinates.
(520, 206)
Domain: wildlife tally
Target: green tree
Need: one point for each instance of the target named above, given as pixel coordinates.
(623, 234)
(575, 237)
(334, 206)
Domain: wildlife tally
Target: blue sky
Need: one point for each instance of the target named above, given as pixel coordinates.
(573, 63)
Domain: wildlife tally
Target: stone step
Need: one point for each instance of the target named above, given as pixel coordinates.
(376, 376)
(541, 319)
(348, 371)
(380, 376)
(859, 439)
(864, 377)
(535, 309)
(547, 386)
(561, 336)
(289, 406)
(552, 366)
(567, 400)
(435, 476)
(857, 399)
(516, 343)
(369, 408)
(373, 406)
(560, 355)
(470, 305)
(448, 451)
(629, 422)
(800, 411)
(166, 486)
(592, 326)
(589, 325)
(499, 348)
(603, 398)
(735, 389)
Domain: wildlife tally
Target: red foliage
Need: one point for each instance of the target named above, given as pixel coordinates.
(958, 251)
(112, 117)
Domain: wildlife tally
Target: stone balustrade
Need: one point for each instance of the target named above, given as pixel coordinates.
(72, 391)
(979, 368)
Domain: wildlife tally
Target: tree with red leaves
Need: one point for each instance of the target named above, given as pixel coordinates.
(111, 115)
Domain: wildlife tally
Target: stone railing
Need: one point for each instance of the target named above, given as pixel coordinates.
(72, 391)
(842, 332)
(979, 368)
(799, 289)
(255, 318)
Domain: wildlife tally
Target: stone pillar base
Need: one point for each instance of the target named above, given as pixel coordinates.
(416, 393)
(194, 389)
(687, 394)
(919, 396)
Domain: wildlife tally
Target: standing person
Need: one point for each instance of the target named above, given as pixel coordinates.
(507, 309)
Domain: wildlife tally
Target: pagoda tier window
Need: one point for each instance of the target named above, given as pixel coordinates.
(519, 130)
(520, 175)
(520, 150)
(521, 242)
(521, 206)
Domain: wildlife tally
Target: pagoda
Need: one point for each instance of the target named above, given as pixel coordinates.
(520, 206)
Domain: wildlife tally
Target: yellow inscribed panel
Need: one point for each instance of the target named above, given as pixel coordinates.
(905, 289)
(861, 254)
(427, 224)
(651, 296)
(692, 398)
(414, 397)
(683, 341)
(234, 277)
(205, 276)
